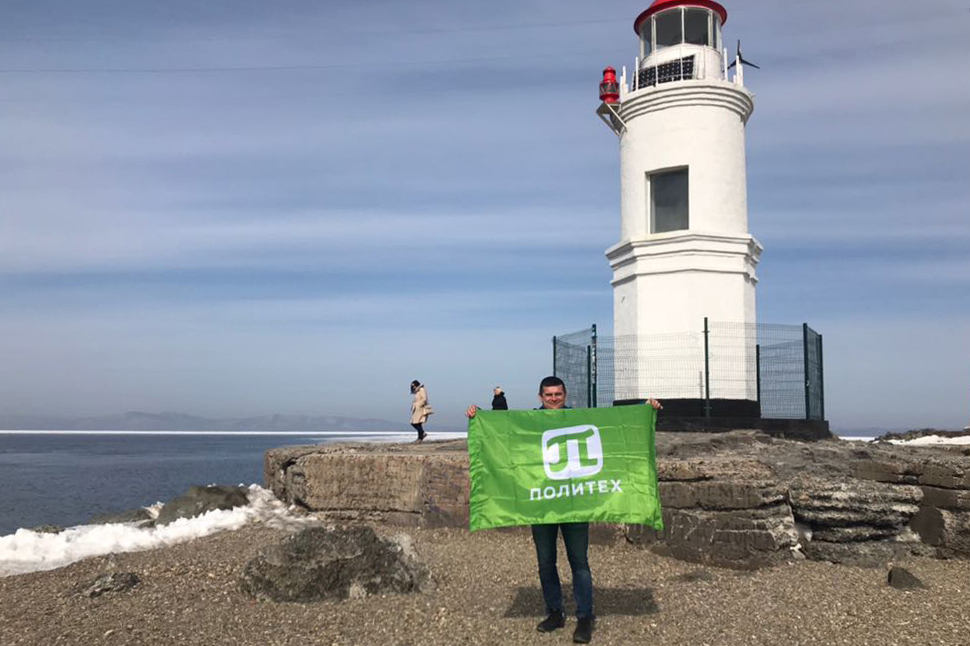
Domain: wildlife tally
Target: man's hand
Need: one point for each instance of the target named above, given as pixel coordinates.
(656, 404)
(470, 411)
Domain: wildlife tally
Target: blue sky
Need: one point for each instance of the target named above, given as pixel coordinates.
(240, 208)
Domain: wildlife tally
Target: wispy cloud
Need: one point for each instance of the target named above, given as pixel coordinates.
(214, 206)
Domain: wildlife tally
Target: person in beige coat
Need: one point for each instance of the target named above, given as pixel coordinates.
(420, 408)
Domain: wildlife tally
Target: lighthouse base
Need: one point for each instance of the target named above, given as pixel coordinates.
(687, 416)
(696, 407)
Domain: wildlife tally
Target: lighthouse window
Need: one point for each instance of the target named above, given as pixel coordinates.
(646, 37)
(669, 31)
(669, 201)
(696, 27)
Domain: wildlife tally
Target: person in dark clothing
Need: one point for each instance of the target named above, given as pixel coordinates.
(575, 537)
(552, 396)
(498, 401)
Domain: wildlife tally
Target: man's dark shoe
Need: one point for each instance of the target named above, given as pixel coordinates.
(584, 630)
(556, 619)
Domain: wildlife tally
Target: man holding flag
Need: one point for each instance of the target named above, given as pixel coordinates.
(558, 469)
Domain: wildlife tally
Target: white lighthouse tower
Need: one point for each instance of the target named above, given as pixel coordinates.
(685, 253)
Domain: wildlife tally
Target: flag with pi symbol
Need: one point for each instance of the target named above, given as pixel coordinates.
(563, 466)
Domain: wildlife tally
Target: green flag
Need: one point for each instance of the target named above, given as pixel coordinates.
(563, 466)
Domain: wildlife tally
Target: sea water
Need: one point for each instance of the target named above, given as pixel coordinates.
(64, 479)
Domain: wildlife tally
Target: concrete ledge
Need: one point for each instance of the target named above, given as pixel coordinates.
(422, 485)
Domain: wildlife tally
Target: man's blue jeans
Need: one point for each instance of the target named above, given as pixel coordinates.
(576, 538)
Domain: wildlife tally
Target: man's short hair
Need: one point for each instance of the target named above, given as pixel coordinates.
(551, 382)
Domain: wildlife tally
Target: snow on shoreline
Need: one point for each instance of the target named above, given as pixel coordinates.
(934, 440)
(27, 551)
(925, 440)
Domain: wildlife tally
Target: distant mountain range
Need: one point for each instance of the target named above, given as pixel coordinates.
(136, 421)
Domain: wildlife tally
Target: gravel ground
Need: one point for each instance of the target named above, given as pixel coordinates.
(487, 593)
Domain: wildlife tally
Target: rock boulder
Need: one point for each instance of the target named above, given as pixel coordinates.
(902, 579)
(199, 500)
(111, 582)
(320, 563)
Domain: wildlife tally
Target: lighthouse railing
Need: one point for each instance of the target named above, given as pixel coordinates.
(723, 369)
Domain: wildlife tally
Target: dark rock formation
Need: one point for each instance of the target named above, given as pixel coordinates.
(326, 563)
(199, 500)
(723, 511)
(854, 511)
(876, 553)
(853, 504)
(943, 477)
(47, 529)
(902, 579)
(948, 530)
(740, 538)
(113, 582)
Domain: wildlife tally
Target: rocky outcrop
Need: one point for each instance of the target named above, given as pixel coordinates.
(740, 499)
(422, 485)
(200, 500)
(722, 511)
(855, 521)
(943, 478)
(334, 563)
(851, 511)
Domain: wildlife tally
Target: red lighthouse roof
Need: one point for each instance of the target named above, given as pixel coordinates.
(660, 5)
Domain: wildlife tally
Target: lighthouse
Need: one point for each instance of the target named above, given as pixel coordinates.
(685, 256)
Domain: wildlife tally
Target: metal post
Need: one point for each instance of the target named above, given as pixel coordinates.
(808, 381)
(821, 379)
(554, 357)
(707, 371)
(757, 373)
(589, 384)
(595, 372)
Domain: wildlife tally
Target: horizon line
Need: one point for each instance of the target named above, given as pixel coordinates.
(161, 432)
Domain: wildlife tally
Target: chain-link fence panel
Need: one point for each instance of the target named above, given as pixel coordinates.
(573, 361)
(777, 366)
(732, 360)
(781, 371)
(814, 394)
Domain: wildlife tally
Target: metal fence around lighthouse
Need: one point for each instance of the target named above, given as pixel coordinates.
(764, 370)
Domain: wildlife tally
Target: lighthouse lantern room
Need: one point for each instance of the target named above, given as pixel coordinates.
(685, 253)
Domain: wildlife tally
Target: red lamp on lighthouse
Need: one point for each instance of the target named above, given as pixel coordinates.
(609, 88)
